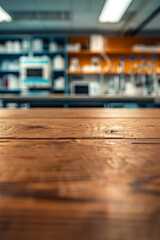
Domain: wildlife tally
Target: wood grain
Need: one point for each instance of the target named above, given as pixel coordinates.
(47, 191)
(76, 174)
(78, 113)
(80, 128)
(76, 160)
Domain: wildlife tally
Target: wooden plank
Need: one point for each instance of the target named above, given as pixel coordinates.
(29, 219)
(79, 189)
(69, 160)
(78, 113)
(80, 128)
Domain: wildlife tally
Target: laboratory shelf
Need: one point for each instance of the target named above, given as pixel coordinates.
(83, 73)
(9, 71)
(48, 53)
(9, 91)
(58, 70)
(60, 40)
(112, 51)
(83, 52)
(92, 72)
(13, 54)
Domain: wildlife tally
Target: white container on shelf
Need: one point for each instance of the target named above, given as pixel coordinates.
(16, 46)
(9, 46)
(96, 43)
(5, 65)
(59, 83)
(10, 65)
(25, 45)
(74, 65)
(37, 45)
(13, 82)
(130, 89)
(58, 63)
(74, 47)
(53, 47)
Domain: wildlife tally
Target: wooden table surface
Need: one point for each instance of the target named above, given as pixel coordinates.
(80, 174)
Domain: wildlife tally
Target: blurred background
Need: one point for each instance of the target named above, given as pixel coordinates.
(88, 53)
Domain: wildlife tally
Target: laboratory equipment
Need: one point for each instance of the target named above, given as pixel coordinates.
(85, 87)
(110, 86)
(116, 84)
(35, 72)
(93, 67)
(119, 81)
(130, 87)
(132, 72)
(149, 77)
(155, 79)
(95, 64)
(143, 77)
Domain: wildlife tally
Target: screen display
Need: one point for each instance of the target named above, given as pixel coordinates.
(81, 89)
(34, 72)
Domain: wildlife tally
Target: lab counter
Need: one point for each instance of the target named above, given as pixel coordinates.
(80, 101)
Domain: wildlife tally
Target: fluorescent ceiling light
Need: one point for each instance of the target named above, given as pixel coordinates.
(113, 10)
(4, 16)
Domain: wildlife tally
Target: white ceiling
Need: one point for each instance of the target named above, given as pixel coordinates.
(84, 14)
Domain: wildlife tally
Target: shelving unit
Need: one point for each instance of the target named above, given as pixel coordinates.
(114, 48)
(113, 51)
(83, 73)
(50, 54)
(11, 56)
(6, 71)
(61, 42)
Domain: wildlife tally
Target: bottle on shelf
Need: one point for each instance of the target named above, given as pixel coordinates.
(74, 65)
(59, 83)
(120, 85)
(58, 63)
(5, 82)
(53, 47)
(37, 45)
(25, 45)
